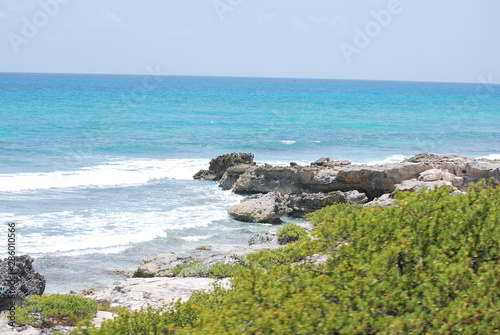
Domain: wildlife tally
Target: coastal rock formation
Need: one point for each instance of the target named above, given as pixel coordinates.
(324, 182)
(470, 170)
(220, 164)
(309, 202)
(20, 277)
(324, 176)
(161, 265)
(270, 237)
(385, 200)
(414, 185)
(267, 208)
(135, 293)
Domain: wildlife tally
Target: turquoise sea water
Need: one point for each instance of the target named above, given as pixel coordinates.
(96, 169)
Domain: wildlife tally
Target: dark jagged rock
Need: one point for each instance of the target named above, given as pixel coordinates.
(309, 202)
(19, 277)
(220, 164)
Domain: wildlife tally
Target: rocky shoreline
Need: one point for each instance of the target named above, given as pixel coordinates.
(295, 190)
(274, 192)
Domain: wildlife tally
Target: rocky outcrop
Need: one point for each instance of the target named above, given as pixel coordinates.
(470, 170)
(325, 182)
(270, 237)
(324, 176)
(220, 164)
(371, 180)
(385, 200)
(161, 265)
(267, 208)
(414, 185)
(309, 202)
(18, 280)
(135, 293)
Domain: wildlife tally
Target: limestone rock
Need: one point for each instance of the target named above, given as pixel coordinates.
(20, 277)
(161, 265)
(371, 180)
(447, 176)
(135, 293)
(386, 200)
(270, 237)
(323, 161)
(355, 197)
(261, 208)
(233, 173)
(414, 185)
(225, 259)
(220, 164)
(431, 175)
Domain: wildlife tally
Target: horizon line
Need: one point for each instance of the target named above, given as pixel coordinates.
(252, 77)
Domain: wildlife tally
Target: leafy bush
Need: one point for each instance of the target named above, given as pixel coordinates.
(328, 214)
(55, 309)
(428, 265)
(291, 232)
(217, 270)
(196, 269)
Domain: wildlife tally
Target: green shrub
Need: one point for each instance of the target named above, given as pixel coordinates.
(55, 309)
(328, 214)
(428, 265)
(291, 232)
(217, 270)
(194, 270)
(224, 270)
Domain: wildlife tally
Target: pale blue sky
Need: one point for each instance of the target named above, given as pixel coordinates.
(423, 40)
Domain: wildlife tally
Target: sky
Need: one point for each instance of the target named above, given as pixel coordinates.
(411, 40)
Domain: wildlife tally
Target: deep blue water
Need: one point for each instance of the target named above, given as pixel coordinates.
(96, 169)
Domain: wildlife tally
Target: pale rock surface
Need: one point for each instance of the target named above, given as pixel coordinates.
(431, 175)
(414, 185)
(385, 200)
(135, 293)
(161, 265)
(267, 208)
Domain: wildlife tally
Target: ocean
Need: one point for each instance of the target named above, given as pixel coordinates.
(96, 170)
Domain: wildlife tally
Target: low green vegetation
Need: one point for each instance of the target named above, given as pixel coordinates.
(429, 265)
(217, 270)
(291, 232)
(55, 309)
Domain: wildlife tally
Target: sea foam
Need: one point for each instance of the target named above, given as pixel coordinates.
(131, 172)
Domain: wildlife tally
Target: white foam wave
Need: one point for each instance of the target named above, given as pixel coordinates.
(195, 238)
(71, 233)
(288, 142)
(390, 159)
(133, 172)
(491, 157)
